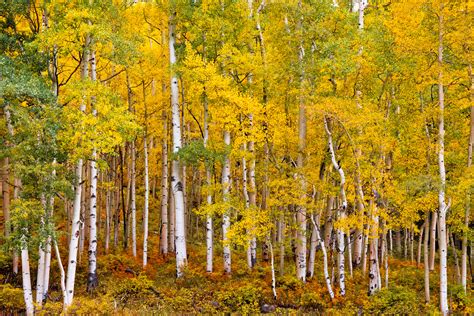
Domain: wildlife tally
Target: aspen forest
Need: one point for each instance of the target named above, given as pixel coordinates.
(236, 156)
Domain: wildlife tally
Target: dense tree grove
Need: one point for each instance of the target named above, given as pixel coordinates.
(240, 156)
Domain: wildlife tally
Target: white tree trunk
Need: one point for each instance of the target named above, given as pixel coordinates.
(443, 207)
(426, 259)
(176, 182)
(434, 223)
(76, 219)
(133, 198)
(226, 216)
(272, 265)
(92, 280)
(342, 209)
(301, 264)
(25, 271)
(325, 258)
(209, 224)
(63, 275)
(164, 188)
(312, 250)
(145, 207)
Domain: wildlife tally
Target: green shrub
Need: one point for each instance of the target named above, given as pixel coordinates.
(394, 300)
(311, 301)
(11, 299)
(134, 291)
(245, 299)
(460, 300)
(179, 300)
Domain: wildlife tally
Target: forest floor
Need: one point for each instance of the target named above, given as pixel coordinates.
(126, 288)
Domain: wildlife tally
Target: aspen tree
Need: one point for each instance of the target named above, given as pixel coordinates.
(342, 209)
(76, 220)
(176, 183)
(92, 280)
(443, 206)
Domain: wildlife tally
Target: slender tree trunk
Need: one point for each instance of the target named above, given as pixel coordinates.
(108, 205)
(147, 186)
(302, 129)
(342, 208)
(374, 279)
(133, 195)
(272, 265)
(63, 274)
(164, 187)
(455, 255)
(172, 221)
(176, 179)
(25, 270)
(443, 207)
(312, 250)
(76, 220)
(426, 259)
(226, 181)
(420, 242)
(92, 280)
(434, 223)
(325, 259)
(282, 244)
(209, 224)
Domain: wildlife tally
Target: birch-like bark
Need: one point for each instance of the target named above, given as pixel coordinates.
(147, 185)
(226, 182)
(272, 265)
(252, 194)
(312, 250)
(374, 273)
(92, 280)
(325, 259)
(434, 223)
(443, 207)
(26, 277)
(164, 186)
(359, 6)
(76, 220)
(209, 219)
(342, 209)
(176, 182)
(63, 274)
(133, 197)
(302, 129)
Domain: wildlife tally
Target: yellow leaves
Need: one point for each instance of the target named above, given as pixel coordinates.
(112, 126)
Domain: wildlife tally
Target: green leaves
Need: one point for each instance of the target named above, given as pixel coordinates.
(195, 153)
